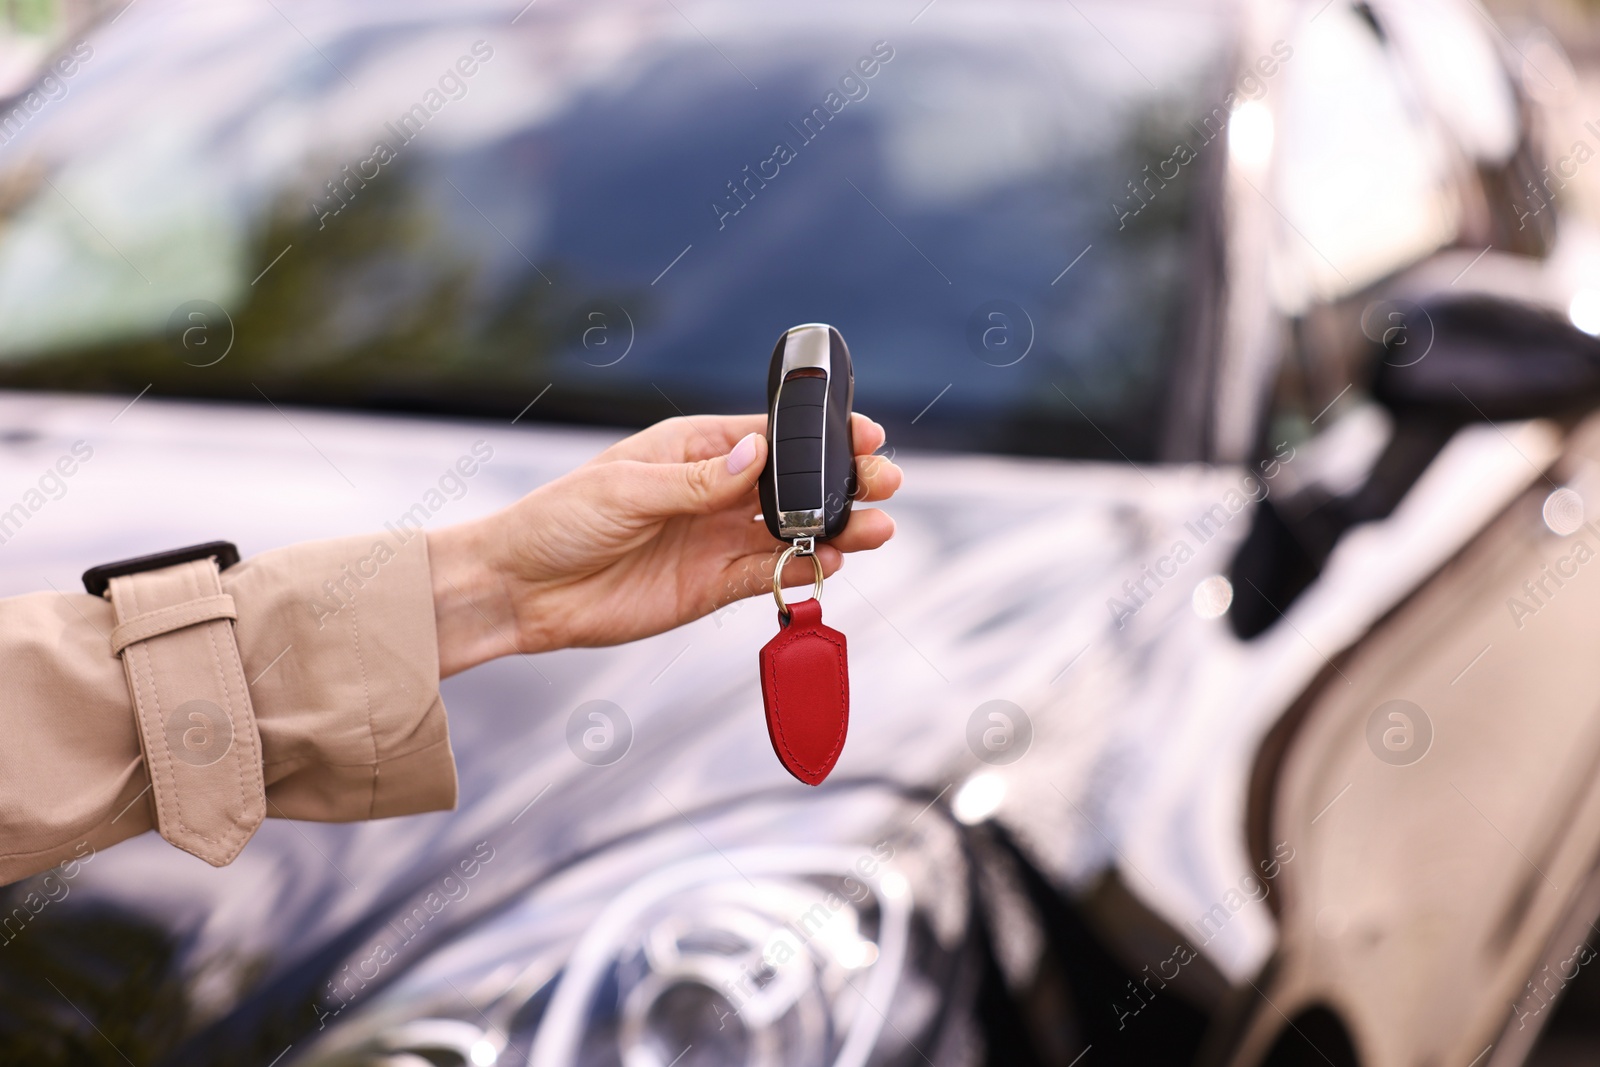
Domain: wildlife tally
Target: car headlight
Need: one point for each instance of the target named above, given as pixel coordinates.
(809, 955)
(761, 957)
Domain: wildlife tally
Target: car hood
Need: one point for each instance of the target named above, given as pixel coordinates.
(1007, 580)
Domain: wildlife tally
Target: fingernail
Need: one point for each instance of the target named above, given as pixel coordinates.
(743, 453)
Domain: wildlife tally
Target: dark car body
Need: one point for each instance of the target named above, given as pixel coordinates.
(1131, 287)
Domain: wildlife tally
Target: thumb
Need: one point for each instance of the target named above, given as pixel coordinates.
(705, 486)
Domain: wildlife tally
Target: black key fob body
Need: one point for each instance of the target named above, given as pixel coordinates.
(810, 477)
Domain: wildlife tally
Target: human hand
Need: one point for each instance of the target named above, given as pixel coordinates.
(654, 532)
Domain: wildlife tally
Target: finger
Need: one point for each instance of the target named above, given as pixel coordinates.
(685, 439)
(662, 490)
(867, 529)
(877, 478)
(689, 438)
(799, 572)
(751, 574)
(866, 435)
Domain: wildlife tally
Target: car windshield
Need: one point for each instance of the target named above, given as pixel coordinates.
(614, 209)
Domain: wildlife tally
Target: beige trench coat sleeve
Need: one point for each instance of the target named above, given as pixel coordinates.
(338, 647)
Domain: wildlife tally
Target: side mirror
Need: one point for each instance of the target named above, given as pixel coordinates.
(1475, 358)
(1440, 364)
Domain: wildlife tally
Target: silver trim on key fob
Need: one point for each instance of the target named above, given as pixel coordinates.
(818, 353)
(805, 347)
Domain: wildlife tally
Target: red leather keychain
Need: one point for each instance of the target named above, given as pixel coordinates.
(805, 683)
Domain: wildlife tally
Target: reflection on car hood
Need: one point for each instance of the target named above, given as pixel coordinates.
(998, 585)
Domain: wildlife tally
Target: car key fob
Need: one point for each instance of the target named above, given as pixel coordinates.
(810, 477)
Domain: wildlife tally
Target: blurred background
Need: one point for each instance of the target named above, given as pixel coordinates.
(1228, 695)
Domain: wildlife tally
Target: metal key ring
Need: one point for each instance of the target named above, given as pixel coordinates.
(777, 579)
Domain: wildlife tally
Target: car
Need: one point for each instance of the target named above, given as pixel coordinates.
(1225, 697)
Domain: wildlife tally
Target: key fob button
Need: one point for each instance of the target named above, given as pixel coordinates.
(801, 391)
(800, 455)
(800, 492)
